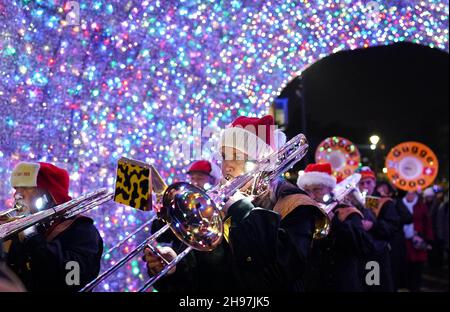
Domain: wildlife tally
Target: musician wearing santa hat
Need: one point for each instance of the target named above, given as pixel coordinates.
(337, 260)
(41, 254)
(381, 220)
(317, 180)
(267, 239)
(204, 174)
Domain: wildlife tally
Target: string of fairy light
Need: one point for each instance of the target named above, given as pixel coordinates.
(133, 76)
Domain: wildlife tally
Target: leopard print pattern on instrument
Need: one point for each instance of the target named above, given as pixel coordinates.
(132, 186)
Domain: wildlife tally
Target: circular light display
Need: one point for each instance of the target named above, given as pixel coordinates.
(411, 166)
(341, 153)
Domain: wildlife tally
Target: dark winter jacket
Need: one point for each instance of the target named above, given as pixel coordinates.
(48, 265)
(337, 260)
(265, 251)
(398, 247)
(385, 226)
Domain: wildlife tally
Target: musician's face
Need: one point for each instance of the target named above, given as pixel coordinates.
(233, 163)
(318, 192)
(367, 185)
(200, 179)
(28, 196)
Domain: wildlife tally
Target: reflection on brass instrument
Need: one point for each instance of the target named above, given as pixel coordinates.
(8, 215)
(13, 213)
(345, 192)
(194, 215)
(66, 210)
(355, 197)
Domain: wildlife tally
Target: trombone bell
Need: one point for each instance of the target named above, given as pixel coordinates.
(193, 216)
(322, 225)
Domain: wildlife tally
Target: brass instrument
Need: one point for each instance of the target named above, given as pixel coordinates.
(194, 215)
(355, 197)
(346, 192)
(12, 213)
(67, 210)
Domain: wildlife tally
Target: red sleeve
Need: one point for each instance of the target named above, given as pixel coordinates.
(425, 225)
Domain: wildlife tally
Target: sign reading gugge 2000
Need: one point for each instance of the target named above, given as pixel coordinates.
(411, 166)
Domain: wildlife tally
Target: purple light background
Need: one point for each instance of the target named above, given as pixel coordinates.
(133, 71)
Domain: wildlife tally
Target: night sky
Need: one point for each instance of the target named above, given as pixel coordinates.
(399, 92)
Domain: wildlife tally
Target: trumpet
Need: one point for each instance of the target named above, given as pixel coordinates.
(195, 215)
(66, 210)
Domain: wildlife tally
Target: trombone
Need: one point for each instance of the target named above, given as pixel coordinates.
(194, 215)
(66, 210)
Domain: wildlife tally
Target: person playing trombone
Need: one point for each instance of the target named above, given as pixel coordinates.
(204, 174)
(267, 237)
(61, 256)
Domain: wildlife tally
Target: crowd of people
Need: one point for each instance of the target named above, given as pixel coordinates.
(422, 239)
(269, 243)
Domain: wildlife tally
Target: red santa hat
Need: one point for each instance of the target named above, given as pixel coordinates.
(205, 167)
(45, 176)
(255, 137)
(366, 173)
(316, 174)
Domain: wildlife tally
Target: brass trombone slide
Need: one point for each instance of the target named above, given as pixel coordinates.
(194, 216)
(67, 210)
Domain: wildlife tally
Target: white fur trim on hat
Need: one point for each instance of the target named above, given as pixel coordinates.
(25, 175)
(246, 142)
(315, 178)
